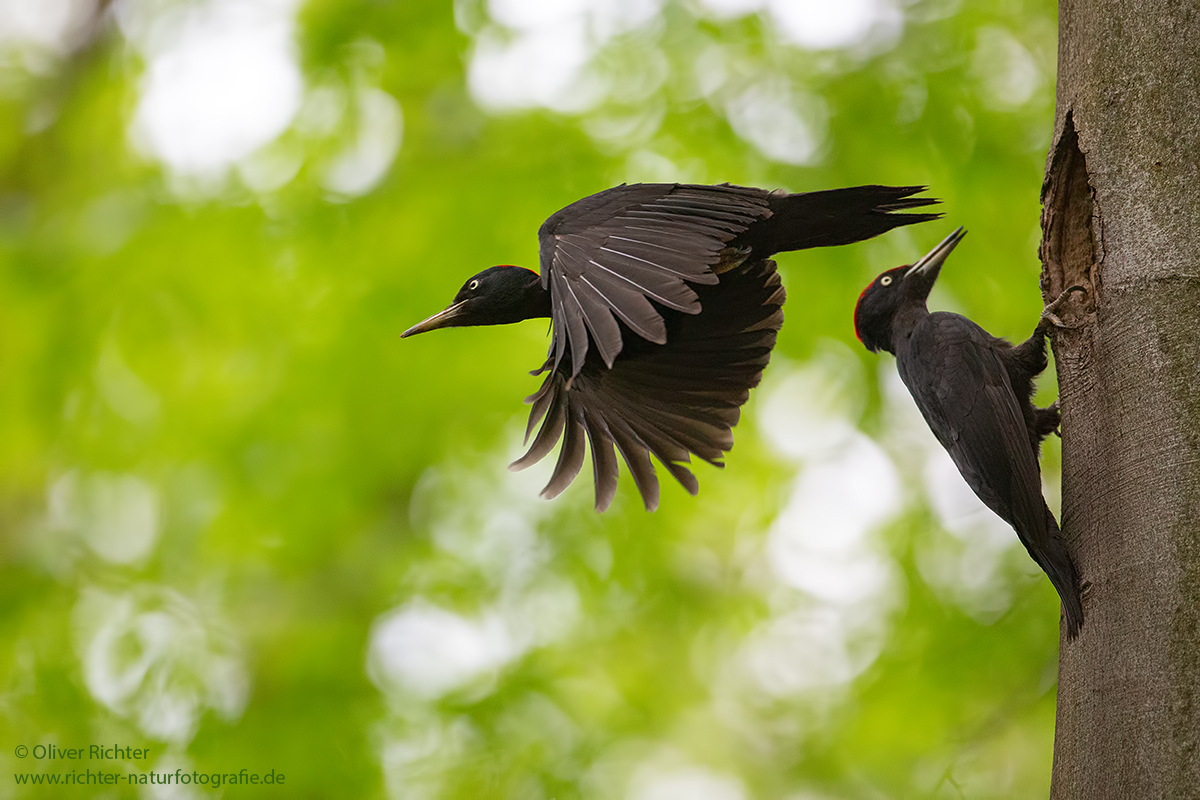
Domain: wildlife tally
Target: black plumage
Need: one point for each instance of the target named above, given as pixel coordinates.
(975, 392)
(664, 308)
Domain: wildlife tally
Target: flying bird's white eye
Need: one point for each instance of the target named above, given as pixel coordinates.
(886, 280)
(473, 285)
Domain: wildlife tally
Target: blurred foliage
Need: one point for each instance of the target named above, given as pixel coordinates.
(245, 525)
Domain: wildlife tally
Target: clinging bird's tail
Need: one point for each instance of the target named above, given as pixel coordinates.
(835, 217)
(1052, 556)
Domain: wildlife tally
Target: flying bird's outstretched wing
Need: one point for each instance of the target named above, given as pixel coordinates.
(607, 256)
(672, 400)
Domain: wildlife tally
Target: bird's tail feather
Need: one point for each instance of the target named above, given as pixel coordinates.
(1056, 562)
(841, 216)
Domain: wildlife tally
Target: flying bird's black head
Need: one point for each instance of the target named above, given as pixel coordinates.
(496, 296)
(902, 287)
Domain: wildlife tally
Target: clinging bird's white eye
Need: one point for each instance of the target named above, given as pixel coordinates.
(473, 285)
(886, 280)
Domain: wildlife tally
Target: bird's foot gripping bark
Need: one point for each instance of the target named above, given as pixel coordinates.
(1047, 421)
(1050, 313)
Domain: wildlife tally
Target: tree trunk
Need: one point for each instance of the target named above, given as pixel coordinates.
(1121, 218)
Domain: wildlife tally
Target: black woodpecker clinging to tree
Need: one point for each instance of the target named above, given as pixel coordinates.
(664, 308)
(975, 392)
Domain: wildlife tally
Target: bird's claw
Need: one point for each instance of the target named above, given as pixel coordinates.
(1049, 315)
(1054, 320)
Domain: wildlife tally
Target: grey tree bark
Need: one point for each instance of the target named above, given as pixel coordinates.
(1121, 218)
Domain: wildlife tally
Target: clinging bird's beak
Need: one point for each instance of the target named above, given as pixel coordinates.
(932, 261)
(442, 319)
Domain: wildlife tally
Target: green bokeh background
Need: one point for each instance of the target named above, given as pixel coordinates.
(218, 370)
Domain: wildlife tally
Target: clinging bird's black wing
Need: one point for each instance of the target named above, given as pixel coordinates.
(671, 400)
(965, 394)
(967, 399)
(606, 257)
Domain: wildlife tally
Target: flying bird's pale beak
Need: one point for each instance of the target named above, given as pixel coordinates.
(442, 319)
(932, 261)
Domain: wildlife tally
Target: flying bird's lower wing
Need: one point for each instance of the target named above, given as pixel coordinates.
(672, 400)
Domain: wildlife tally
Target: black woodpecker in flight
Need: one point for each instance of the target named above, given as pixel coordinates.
(975, 392)
(664, 307)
